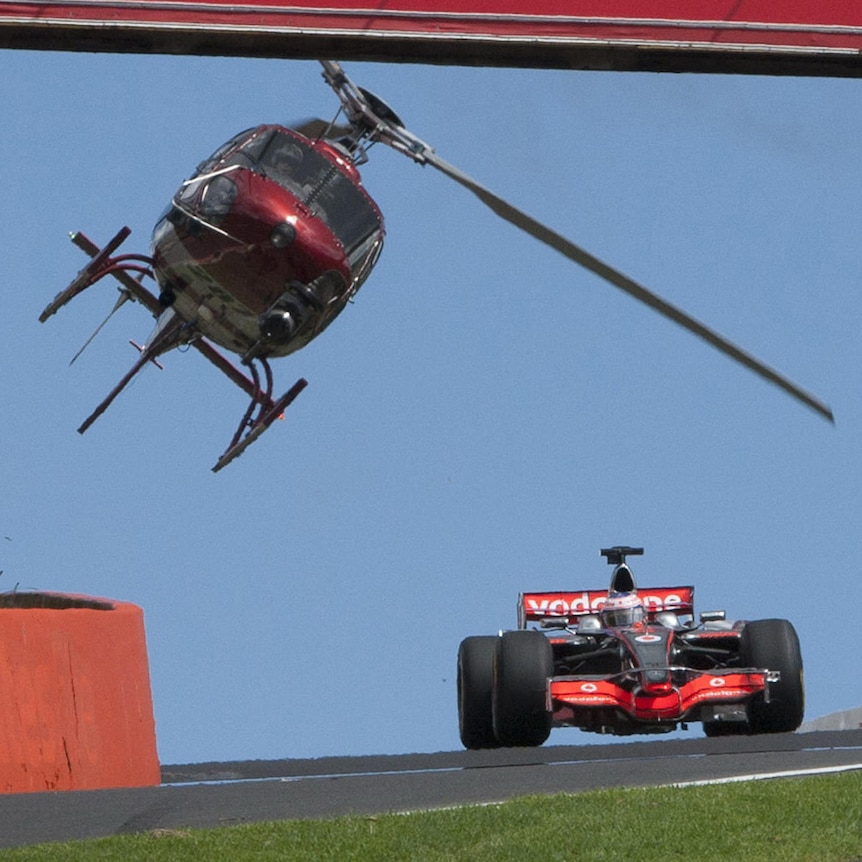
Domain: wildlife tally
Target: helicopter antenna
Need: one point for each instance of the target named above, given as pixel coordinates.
(125, 296)
(373, 120)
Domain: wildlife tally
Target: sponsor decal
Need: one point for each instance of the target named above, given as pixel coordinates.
(589, 686)
(647, 639)
(562, 607)
(588, 602)
(717, 682)
(724, 694)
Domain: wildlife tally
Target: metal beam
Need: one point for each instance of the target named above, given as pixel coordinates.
(747, 36)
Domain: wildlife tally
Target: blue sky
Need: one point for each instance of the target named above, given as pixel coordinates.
(481, 421)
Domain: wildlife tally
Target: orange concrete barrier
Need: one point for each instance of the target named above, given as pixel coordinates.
(76, 710)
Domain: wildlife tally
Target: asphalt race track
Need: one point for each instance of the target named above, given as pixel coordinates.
(222, 794)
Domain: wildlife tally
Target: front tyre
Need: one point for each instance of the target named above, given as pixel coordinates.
(475, 683)
(523, 661)
(774, 645)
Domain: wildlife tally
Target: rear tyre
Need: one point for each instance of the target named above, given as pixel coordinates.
(475, 684)
(523, 661)
(774, 645)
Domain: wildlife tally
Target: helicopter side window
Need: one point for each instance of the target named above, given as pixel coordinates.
(346, 210)
(210, 191)
(249, 154)
(290, 163)
(333, 197)
(283, 158)
(210, 163)
(317, 182)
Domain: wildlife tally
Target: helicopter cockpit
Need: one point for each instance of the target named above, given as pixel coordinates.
(322, 185)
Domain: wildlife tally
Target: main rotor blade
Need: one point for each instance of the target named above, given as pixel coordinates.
(363, 111)
(575, 253)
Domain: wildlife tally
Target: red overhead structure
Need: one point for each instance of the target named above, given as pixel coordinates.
(797, 37)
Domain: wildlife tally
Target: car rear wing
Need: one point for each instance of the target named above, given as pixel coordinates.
(569, 606)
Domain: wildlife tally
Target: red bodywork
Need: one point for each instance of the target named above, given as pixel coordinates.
(573, 699)
(251, 230)
(645, 681)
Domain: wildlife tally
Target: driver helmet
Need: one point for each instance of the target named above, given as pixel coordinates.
(622, 609)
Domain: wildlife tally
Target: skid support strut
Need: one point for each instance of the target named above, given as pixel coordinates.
(267, 412)
(171, 331)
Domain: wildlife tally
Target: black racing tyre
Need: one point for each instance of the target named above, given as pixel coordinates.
(475, 684)
(523, 661)
(774, 645)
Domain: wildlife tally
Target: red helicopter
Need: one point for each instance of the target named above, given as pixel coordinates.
(274, 234)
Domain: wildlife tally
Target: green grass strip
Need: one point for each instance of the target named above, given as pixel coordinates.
(817, 819)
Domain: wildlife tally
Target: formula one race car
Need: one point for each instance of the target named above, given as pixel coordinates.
(626, 661)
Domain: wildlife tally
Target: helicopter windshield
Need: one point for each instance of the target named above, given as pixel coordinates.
(318, 182)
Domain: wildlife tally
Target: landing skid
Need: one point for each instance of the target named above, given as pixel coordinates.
(172, 331)
(170, 336)
(102, 264)
(268, 412)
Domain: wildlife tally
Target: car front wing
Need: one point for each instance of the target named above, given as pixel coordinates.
(571, 698)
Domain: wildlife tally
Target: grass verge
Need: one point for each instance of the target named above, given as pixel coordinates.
(817, 819)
